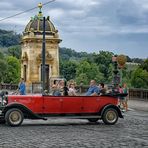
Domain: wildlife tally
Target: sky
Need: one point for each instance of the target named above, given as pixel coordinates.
(118, 26)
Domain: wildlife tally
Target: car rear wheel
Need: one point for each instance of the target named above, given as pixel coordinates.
(14, 117)
(110, 116)
(93, 119)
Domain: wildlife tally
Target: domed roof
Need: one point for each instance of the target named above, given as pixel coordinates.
(36, 25)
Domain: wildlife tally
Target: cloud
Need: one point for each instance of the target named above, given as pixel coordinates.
(96, 24)
(56, 13)
(5, 5)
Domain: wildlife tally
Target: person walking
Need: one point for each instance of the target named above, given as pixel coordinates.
(125, 91)
(22, 87)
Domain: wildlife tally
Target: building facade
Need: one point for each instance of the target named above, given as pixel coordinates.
(31, 59)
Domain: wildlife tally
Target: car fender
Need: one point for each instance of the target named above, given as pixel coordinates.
(26, 111)
(112, 106)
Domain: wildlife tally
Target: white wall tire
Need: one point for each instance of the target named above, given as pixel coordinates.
(110, 116)
(14, 117)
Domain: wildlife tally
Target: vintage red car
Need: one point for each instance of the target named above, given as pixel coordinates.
(15, 108)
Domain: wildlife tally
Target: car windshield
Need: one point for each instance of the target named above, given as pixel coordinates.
(3, 98)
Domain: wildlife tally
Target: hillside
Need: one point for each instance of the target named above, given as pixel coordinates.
(9, 38)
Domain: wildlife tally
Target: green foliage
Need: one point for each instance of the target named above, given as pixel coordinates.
(144, 65)
(126, 75)
(68, 69)
(1, 55)
(69, 54)
(9, 38)
(104, 59)
(139, 78)
(86, 71)
(82, 78)
(137, 60)
(15, 51)
(3, 70)
(13, 70)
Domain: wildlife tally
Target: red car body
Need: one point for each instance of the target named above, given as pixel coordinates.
(44, 106)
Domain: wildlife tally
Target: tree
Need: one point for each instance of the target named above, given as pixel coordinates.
(86, 71)
(104, 59)
(1, 55)
(144, 65)
(9, 38)
(137, 60)
(139, 78)
(3, 70)
(13, 70)
(15, 51)
(68, 69)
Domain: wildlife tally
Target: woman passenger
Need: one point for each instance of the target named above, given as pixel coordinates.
(72, 90)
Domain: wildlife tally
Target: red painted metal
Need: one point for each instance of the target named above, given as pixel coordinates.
(62, 104)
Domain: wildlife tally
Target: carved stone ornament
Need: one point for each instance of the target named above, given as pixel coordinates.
(24, 58)
(48, 57)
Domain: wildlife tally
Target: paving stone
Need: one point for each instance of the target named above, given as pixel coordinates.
(131, 132)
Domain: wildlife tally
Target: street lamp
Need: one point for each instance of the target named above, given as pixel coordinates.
(116, 78)
(118, 62)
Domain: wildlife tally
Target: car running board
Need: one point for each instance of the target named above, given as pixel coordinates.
(72, 117)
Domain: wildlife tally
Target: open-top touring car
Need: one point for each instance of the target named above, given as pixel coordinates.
(15, 108)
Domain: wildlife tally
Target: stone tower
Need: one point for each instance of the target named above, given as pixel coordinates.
(31, 60)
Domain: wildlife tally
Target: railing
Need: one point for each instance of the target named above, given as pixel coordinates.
(139, 94)
(4, 86)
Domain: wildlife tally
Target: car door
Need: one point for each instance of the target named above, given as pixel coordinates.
(72, 104)
(52, 104)
(91, 104)
(37, 103)
(32, 102)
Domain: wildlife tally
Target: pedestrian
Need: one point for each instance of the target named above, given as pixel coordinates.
(93, 89)
(122, 99)
(22, 87)
(125, 91)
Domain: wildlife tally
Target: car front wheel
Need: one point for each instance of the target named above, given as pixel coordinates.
(110, 116)
(14, 117)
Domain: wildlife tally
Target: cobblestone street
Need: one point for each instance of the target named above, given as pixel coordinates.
(130, 132)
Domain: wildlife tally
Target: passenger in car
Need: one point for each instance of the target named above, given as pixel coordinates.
(60, 86)
(65, 89)
(72, 90)
(102, 89)
(55, 90)
(93, 89)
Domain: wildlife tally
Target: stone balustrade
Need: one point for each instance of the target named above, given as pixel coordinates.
(138, 93)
